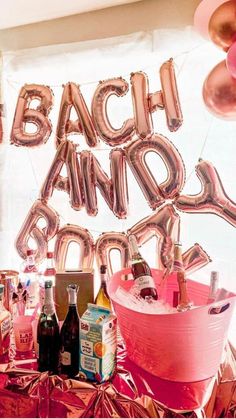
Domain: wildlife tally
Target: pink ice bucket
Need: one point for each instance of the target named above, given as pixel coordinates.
(183, 347)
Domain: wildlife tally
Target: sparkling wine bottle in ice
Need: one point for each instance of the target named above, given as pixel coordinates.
(141, 272)
(214, 283)
(69, 353)
(102, 298)
(48, 335)
(178, 267)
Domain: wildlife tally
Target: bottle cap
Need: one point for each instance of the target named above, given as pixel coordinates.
(103, 269)
(178, 244)
(50, 255)
(73, 287)
(30, 252)
(48, 284)
(1, 289)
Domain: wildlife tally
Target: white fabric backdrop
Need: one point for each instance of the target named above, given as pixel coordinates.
(202, 135)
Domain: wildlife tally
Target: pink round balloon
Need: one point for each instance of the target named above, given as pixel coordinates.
(219, 92)
(203, 14)
(231, 60)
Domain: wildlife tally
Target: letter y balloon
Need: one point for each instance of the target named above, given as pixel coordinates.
(212, 199)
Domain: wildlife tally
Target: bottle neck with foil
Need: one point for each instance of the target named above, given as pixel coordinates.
(178, 267)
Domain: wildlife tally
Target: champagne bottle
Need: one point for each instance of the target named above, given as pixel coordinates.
(48, 334)
(141, 272)
(48, 275)
(102, 298)
(69, 353)
(213, 287)
(178, 267)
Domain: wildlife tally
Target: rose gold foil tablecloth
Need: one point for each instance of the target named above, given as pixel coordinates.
(132, 392)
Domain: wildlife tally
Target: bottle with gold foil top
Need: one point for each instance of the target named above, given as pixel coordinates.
(48, 334)
(141, 272)
(178, 267)
(102, 298)
(69, 336)
(5, 327)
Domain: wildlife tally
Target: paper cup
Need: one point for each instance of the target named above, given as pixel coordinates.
(23, 333)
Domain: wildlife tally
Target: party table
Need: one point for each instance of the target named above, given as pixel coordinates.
(25, 392)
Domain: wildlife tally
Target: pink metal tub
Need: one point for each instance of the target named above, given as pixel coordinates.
(183, 347)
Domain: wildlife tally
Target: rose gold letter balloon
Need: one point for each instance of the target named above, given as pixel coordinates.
(195, 258)
(114, 190)
(73, 233)
(222, 25)
(24, 114)
(212, 199)
(30, 230)
(107, 242)
(72, 97)
(154, 193)
(164, 225)
(219, 92)
(67, 155)
(110, 135)
(168, 98)
(119, 182)
(140, 96)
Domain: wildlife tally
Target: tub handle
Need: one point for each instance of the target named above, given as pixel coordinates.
(219, 309)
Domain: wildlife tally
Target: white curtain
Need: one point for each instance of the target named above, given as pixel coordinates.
(202, 135)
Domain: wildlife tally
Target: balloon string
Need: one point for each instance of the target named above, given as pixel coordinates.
(151, 66)
(202, 149)
(206, 137)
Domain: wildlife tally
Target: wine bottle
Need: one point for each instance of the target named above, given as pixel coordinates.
(102, 298)
(48, 275)
(213, 287)
(50, 271)
(141, 272)
(5, 327)
(30, 279)
(178, 267)
(48, 336)
(69, 337)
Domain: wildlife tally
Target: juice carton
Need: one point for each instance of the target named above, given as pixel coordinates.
(98, 331)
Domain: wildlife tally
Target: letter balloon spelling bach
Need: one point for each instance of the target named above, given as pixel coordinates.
(129, 145)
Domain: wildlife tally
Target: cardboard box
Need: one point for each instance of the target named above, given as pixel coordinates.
(85, 281)
(98, 343)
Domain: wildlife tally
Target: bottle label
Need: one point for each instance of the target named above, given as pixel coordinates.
(5, 327)
(145, 281)
(66, 358)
